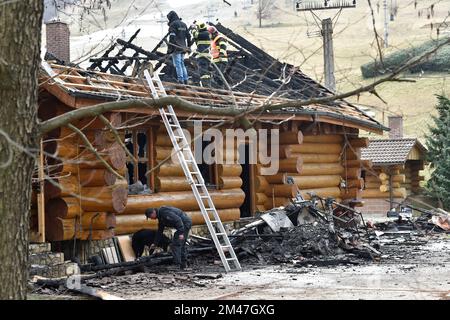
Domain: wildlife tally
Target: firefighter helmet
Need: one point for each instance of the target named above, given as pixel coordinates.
(212, 30)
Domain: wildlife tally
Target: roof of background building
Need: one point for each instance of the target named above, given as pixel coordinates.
(391, 151)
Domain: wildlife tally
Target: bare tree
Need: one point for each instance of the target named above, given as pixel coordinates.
(20, 44)
(264, 10)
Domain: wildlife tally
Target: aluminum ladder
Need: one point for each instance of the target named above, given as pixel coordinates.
(194, 177)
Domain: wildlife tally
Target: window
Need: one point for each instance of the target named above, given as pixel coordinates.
(138, 143)
(208, 171)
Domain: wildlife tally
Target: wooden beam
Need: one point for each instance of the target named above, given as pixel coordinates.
(41, 196)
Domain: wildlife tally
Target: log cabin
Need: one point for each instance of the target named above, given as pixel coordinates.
(395, 173)
(319, 146)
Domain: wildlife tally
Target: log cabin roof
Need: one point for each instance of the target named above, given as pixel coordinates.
(78, 87)
(393, 151)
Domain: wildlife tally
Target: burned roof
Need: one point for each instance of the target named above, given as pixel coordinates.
(255, 77)
(391, 151)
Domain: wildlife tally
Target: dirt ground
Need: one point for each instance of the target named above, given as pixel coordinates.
(411, 267)
(405, 272)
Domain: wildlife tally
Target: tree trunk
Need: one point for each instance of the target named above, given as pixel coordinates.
(20, 42)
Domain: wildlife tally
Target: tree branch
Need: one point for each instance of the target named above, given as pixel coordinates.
(233, 112)
(117, 137)
(92, 149)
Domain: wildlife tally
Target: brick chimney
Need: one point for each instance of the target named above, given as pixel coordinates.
(396, 126)
(58, 40)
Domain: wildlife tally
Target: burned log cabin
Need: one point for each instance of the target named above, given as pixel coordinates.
(319, 147)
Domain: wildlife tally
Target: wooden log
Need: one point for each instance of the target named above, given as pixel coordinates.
(105, 199)
(63, 187)
(58, 229)
(359, 142)
(394, 184)
(65, 149)
(98, 220)
(333, 192)
(260, 208)
(352, 173)
(354, 154)
(310, 182)
(276, 202)
(113, 154)
(323, 139)
(66, 207)
(261, 198)
(171, 169)
(356, 183)
(164, 152)
(397, 178)
(261, 184)
(291, 137)
(230, 182)
(374, 193)
(366, 164)
(229, 170)
(96, 177)
(279, 178)
(163, 140)
(351, 193)
(317, 148)
(282, 190)
(127, 224)
(370, 178)
(311, 169)
(372, 185)
(101, 137)
(285, 151)
(290, 165)
(169, 184)
(319, 158)
(223, 199)
(64, 167)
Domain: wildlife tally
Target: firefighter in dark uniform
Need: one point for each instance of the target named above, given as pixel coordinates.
(203, 43)
(219, 54)
(173, 218)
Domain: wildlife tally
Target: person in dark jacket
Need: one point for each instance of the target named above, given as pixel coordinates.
(179, 43)
(173, 218)
(203, 43)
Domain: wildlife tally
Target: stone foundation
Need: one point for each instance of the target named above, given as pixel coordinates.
(377, 206)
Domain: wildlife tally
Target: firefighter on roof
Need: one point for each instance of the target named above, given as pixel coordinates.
(219, 54)
(203, 43)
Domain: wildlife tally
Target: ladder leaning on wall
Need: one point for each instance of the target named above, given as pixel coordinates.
(194, 177)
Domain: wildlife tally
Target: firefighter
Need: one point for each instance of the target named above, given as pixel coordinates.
(203, 43)
(219, 54)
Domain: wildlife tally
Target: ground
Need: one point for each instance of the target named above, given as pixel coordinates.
(411, 267)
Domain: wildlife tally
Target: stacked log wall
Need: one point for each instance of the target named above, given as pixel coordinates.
(81, 195)
(172, 189)
(377, 183)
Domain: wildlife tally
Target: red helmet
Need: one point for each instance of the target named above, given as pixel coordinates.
(212, 30)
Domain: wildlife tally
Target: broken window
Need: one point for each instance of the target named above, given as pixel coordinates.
(136, 142)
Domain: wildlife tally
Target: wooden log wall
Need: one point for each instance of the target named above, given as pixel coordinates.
(377, 183)
(413, 177)
(172, 189)
(318, 163)
(83, 196)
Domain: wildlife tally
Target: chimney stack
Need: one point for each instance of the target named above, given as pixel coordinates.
(58, 40)
(396, 126)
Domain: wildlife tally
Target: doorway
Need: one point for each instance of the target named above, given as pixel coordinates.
(247, 207)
